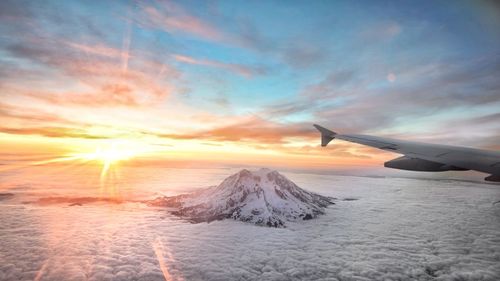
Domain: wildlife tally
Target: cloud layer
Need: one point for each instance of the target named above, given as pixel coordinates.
(398, 229)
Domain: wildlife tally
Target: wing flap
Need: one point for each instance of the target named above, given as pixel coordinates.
(493, 178)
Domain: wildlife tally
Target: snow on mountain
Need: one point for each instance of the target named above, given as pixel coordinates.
(262, 197)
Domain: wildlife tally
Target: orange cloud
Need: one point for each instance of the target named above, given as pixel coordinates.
(294, 140)
(52, 132)
(252, 129)
(97, 49)
(101, 70)
(173, 18)
(32, 115)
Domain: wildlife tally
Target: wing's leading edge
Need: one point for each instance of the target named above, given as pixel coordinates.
(425, 156)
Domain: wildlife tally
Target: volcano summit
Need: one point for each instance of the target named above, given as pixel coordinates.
(263, 197)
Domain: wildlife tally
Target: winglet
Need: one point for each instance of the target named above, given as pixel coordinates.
(326, 135)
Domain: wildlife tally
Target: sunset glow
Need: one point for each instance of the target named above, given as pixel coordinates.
(109, 156)
(179, 82)
(113, 152)
(249, 140)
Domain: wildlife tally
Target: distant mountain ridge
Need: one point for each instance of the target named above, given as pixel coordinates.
(263, 197)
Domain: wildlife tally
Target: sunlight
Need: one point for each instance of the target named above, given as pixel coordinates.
(109, 155)
(114, 152)
(160, 251)
(106, 153)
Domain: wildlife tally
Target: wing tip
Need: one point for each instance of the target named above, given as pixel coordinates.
(326, 135)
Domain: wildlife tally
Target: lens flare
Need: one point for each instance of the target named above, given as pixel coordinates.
(117, 151)
(165, 260)
(109, 155)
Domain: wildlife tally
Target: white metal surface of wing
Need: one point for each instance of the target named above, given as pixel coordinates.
(424, 156)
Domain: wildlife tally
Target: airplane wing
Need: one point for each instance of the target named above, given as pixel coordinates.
(426, 157)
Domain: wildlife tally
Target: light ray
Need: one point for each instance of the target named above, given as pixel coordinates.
(41, 271)
(108, 155)
(160, 251)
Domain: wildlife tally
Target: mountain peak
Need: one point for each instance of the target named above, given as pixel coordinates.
(262, 197)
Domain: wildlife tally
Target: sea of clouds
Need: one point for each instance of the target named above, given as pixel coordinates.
(398, 229)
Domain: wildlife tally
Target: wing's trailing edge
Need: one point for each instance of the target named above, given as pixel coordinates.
(425, 156)
(326, 135)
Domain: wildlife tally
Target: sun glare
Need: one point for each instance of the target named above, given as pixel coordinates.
(107, 155)
(111, 152)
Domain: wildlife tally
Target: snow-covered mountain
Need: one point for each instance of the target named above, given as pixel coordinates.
(262, 197)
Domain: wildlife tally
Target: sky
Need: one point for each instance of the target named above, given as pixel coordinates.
(242, 82)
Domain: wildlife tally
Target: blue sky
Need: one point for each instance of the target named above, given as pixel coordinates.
(263, 70)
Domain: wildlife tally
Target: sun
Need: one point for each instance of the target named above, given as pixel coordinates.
(109, 154)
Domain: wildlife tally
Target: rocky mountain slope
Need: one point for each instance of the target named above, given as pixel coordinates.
(262, 197)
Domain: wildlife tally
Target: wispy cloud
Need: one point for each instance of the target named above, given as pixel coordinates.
(173, 18)
(129, 65)
(52, 132)
(302, 55)
(99, 50)
(381, 31)
(28, 114)
(253, 129)
(100, 70)
(243, 70)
